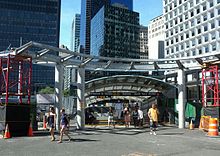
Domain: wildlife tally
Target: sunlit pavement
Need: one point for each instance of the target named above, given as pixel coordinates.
(104, 141)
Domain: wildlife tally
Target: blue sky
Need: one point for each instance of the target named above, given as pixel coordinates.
(148, 9)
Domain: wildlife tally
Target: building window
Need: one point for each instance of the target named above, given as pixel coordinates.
(181, 37)
(204, 7)
(213, 47)
(177, 40)
(211, 4)
(206, 49)
(192, 23)
(205, 28)
(213, 36)
(187, 45)
(177, 49)
(204, 17)
(194, 53)
(198, 21)
(200, 51)
(187, 35)
(212, 25)
(206, 38)
(198, 11)
(182, 46)
(218, 1)
(197, 1)
(193, 33)
(191, 14)
(199, 31)
(193, 43)
(199, 41)
(211, 14)
(218, 11)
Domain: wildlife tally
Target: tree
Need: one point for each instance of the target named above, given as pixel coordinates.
(66, 92)
(47, 90)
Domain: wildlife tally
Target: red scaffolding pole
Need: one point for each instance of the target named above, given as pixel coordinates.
(210, 91)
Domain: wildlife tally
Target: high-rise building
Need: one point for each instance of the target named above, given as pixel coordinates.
(115, 33)
(75, 35)
(143, 42)
(89, 8)
(192, 27)
(32, 20)
(156, 37)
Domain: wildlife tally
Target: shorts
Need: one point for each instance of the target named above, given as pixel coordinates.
(63, 126)
(153, 124)
(51, 125)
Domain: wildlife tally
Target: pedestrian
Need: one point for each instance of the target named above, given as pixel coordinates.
(51, 122)
(118, 109)
(140, 117)
(64, 125)
(111, 117)
(135, 117)
(153, 114)
(127, 117)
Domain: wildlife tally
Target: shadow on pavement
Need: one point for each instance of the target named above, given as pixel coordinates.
(83, 140)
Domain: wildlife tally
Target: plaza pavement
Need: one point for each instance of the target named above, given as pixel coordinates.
(104, 141)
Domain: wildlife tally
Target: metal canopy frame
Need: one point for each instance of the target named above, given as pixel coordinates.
(97, 63)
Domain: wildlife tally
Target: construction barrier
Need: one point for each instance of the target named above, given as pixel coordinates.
(204, 123)
(213, 127)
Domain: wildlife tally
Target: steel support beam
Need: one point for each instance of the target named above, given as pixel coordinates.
(59, 71)
(80, 98)
(181, 98)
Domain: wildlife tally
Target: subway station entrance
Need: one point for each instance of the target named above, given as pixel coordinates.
(82, 63)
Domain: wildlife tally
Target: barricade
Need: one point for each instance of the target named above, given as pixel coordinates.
(204, 123)
(213, 127)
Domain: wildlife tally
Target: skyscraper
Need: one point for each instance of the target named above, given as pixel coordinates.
(32, 20)
(156, 37)
(118, 37)
(75, 36)
(192, 27)
(88, 10)
(143, 42)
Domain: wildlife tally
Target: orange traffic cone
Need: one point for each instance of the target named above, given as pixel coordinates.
(30, 131)
(45, 122)
(191, 125)
(7, 133)
(213, 127)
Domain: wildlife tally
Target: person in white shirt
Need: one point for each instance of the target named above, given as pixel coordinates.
(118, 109)
(140, 117)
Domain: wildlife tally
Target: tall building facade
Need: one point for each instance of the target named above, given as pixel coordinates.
(89, 8)
(192, 27)
(75, 35)
(33, 20)
(143, 42)
(115, 33)
(156, 38)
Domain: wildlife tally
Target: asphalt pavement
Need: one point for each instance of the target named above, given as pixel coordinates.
(104, 141)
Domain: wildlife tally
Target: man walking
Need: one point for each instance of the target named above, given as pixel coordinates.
(153, 115)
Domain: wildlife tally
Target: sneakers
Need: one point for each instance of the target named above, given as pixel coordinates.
(154, 133)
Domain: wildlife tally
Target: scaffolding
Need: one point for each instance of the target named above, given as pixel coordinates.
(15, 79)
(210, 86)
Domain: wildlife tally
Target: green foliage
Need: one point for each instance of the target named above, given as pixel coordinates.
(66, 92)
(47, 90)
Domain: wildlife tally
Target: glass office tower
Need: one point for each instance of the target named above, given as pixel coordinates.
(115, 33)
(89, 8)
(33, 20)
